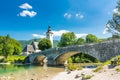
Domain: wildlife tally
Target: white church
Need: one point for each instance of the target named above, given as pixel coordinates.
(33, 47)
(49, 35)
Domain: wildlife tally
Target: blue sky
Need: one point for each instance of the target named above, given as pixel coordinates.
(27, 19)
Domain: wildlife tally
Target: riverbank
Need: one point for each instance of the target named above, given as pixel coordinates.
(105, 74)
(31, 73)
(40, 73)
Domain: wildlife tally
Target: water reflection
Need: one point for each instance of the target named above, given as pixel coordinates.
(45, 63)
(91, 66)
(12, 68)
(28, 72)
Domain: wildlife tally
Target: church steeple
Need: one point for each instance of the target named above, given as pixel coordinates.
(49, 35)
(49, 29)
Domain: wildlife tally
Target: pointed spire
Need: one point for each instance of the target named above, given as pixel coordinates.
(49, 28)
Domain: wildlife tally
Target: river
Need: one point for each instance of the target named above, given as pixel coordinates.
(31, 72)
(28, 72)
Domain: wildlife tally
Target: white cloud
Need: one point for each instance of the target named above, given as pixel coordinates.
(67, 15)
(116, 11)
(81, 35)
(25, 13)
(106, 29)
(59, 33)
(78, 15)
(25, 6)
(38, 36)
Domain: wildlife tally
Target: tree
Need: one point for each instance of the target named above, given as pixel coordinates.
(82, 58)
(17, 47)
(113, 25)
(8, 46)
(8, 49)
(1, 44)
(67, 39)
(80, 41)
(90, 38)
(44, 44)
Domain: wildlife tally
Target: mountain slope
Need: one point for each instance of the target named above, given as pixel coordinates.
(26, 42)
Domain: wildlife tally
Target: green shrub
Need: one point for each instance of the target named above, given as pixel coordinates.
(82, 58)
(88, 77)
(117, 69)
(74, 67)
(107, 62)
(112, 59)
(15, 58)
(118, 62)
(98, 69)
(70, 60)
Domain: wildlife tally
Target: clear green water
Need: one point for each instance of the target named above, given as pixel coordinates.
(27, 72)
(6, 69)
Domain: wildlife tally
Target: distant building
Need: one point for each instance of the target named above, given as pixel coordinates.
(49, 35)
(33, 47)
(29, 49)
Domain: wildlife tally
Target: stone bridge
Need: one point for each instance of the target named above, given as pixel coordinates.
(102, 51)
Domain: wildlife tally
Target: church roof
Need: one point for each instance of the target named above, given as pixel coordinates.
(35, 45)
(28, 48)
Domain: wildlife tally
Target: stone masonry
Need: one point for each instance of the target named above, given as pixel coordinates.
(102, 51)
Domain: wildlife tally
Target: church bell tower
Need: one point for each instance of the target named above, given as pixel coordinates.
(49, 35)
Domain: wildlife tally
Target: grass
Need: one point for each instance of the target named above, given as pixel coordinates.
(88, 77)
(112, 59)
(98, 69)
(107, 62)
(74, 67)
(15, 58)
(117, 69)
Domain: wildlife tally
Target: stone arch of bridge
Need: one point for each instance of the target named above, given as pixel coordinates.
(60, 59)
(39, 60)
